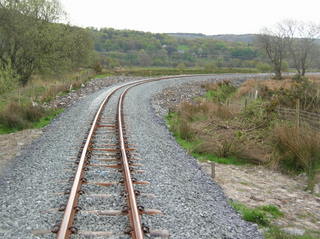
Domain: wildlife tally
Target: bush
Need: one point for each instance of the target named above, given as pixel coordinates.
(304, 90)
(258, 113)
(17, 116)
(297, 149)
(220, 92)
(97, 67)
(263, 67)
(8, 79)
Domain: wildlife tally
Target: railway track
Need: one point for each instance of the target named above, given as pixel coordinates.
(104, 188)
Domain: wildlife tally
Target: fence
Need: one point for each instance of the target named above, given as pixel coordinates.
(300, 117)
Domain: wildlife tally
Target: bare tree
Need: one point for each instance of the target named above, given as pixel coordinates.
(274, 44)
(301, 41)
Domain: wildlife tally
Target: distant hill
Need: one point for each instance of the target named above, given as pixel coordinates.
(136, 48)
(246, 38)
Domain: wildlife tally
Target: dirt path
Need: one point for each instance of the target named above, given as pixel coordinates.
(257, 185)
(11, 144)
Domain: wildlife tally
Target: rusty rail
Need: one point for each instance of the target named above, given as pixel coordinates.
(66, 226)
(134, 216)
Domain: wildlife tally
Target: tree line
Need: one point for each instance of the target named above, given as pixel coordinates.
(33, 41)
(292, 41)
(134, 48)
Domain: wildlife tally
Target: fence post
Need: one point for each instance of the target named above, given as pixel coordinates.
(298, 113)
(245, 103)
(19, 96)
(213, 169)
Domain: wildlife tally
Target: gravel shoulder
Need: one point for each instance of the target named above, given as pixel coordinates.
(193, 205)
(253, 185)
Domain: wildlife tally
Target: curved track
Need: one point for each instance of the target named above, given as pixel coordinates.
(124, 165)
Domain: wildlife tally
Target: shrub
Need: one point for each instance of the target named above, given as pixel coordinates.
(258, 113)
(297, 149)
(304, 90)
(18, 116)
(97, 67)
(8, 79)
(219, 92)
(263, 67)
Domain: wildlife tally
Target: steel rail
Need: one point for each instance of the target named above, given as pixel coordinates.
(134, 215)
(66, 228)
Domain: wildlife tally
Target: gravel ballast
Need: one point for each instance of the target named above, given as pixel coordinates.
(193, 205)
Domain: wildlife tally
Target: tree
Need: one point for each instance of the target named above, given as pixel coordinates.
(301, 40)
(24, 33)
(31, 40)
(274, 43)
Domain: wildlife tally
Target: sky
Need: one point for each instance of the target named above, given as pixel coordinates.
(191, 16)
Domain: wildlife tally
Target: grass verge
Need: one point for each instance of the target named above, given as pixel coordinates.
(161, 71)
(45, 118)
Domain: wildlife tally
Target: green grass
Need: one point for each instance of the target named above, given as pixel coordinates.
(5, 130)
(261, 215)
(163, 71)
(44, 121)
(272, 210)
(214, 158)
(103, 75)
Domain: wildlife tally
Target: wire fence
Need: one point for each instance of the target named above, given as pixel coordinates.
(300, 117)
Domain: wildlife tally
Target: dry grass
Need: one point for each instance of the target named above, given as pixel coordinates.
(251, 85)
(205, 109)
(19, 116)
(224, 147)
(314, 78)
(297, 149)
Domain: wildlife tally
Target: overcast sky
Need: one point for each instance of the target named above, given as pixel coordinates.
(193, 16)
